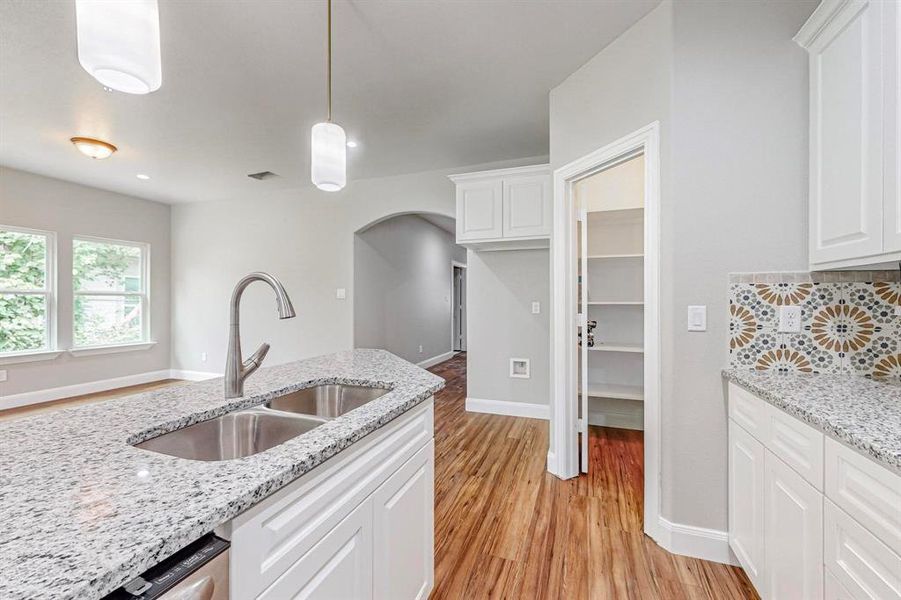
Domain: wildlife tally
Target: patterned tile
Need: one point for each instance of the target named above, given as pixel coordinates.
(848, 323)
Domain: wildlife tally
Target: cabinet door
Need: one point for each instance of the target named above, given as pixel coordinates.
(846, 130)
(793, 534)
(479, 207)
(746, 458)
(403, 513)
(338, 566)
(527, 206)
(892, 57)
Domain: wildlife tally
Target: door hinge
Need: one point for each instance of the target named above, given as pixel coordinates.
(581, 320)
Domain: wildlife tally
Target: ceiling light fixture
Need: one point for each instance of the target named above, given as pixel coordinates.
(119, 43)
(328, 155)
(142, 177)
(351, 144)
(93, 148)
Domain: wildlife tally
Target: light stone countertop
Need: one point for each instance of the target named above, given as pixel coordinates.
(82, 511)
(863, 413)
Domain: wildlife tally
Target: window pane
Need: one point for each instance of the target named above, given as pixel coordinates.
(23, 259)
(105, 267)
(107, 320)
(23, 319)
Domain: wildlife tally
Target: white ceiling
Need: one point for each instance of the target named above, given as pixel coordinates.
(421, 85)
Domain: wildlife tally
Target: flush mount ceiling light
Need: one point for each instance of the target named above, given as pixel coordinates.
(119, 43)
(351, 144)
(328, 156)
(142, 177)
(93, 148)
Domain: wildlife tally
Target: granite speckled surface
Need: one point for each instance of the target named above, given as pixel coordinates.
(863, 413)
(82, 511)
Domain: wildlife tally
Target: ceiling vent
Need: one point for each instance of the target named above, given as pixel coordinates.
(262, 175)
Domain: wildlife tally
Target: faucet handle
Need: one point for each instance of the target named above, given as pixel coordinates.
(254, 361)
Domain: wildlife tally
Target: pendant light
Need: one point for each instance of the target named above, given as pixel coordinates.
(119, 43)
(328, 156)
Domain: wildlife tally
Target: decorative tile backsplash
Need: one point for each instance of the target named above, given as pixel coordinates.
(848, 322)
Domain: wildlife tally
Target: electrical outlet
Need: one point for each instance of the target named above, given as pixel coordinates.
(420, 348)
(898, 311)
(341, 293)
(789, 319)
(536, 308)
(2, 375)
(203, 357)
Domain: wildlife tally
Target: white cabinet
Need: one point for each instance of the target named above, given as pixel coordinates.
(793, 534)
(746, 458)
(853, 198)
(360, 525)
(504, 209)
(404, 530)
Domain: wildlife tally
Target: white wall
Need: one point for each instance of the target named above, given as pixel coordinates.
(305, 237)
(501, 287)
(402, 287)
(730, 90)
(28, 200)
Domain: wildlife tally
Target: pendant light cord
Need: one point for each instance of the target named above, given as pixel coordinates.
(329, 69)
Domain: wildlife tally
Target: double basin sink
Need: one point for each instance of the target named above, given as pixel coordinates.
(253, 430)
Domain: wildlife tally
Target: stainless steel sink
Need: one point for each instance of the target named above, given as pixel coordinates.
(233, 435)
(327, 401)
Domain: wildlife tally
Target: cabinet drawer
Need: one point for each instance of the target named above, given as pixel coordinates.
(868, 492)
(863, 565)
(799, 445)
(747, 410)
(271, 536)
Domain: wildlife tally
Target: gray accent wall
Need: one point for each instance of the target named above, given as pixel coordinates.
(729, 88)
(402, 287)
(38, 202)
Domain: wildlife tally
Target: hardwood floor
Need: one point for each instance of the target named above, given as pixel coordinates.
(505, 528)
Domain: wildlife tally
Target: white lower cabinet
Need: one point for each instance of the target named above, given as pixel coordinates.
(793, 534)
(358, 526)
(746, 457)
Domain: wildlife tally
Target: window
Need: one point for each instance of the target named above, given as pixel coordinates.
(109, 282)
(27, 262)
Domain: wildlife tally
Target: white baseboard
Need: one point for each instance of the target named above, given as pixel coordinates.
(697, 542)
(508, 408)
(80, 389)
(192, 375)
(430, 362)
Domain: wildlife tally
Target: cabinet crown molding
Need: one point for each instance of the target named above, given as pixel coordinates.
(825, 14)
(527, 170)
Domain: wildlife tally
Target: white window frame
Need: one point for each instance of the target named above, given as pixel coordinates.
(144, 294)
(49, 350)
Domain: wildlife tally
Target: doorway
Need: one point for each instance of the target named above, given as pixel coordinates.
(458, 307)
(605, 273)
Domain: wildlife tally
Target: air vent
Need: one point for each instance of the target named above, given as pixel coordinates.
(262, 175)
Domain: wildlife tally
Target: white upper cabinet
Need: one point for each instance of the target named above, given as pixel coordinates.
(853, 165)
(505, 209)
(892, 57)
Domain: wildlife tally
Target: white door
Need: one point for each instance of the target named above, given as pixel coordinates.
(404, 530)
(338, 567)
(459, 309)
(846, 131)
(746, 458)
(479, 208)
(793, 534)
(583, 349)
(892, 57)
(527, 206)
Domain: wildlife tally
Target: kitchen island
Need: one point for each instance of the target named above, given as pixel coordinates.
(83, 511)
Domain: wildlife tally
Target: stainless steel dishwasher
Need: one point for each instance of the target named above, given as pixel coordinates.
(197, 572)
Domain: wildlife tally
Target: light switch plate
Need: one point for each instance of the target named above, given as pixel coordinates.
(789, 319)
(697, 318)
(341, 293)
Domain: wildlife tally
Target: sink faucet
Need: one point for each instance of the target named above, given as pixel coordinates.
(236, 370)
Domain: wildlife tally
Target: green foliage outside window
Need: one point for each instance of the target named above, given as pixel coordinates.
(22, 267)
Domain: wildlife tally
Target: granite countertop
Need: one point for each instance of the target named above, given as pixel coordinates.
(863, 413)
(82, 511)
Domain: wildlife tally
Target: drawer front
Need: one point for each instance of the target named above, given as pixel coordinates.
(833, 590)
(274, 534)
(866, 491)
(864, 566)
(747, 410)
(799, 445)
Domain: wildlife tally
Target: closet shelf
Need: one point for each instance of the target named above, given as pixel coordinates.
(614, 347)
(613, 256)
(615, 303)
(615, 390)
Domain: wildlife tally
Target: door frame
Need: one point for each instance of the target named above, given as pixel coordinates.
(455, 264)
(563, 453)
